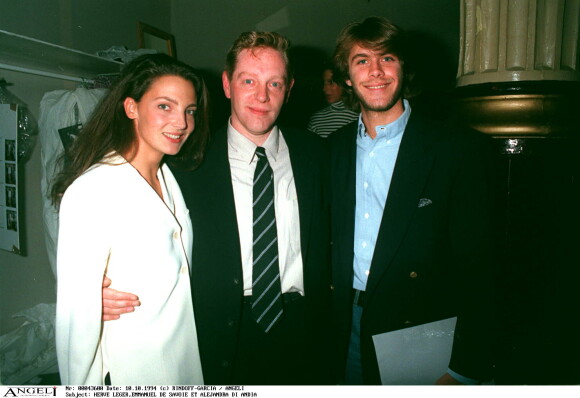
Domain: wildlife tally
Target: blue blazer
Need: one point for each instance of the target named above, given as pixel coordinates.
(432, 258)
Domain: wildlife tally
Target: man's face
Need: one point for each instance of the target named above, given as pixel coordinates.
(257, 90)
(377, 79)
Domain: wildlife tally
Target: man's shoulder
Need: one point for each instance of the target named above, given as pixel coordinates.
(300, 136)
(444, 129)
(344, 133)
(447, 137)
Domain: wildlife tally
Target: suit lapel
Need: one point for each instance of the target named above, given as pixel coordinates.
(301, 170)
(213, 193)
(344, 191)
(412, 169)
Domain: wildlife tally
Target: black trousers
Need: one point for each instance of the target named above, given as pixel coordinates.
(286, 355)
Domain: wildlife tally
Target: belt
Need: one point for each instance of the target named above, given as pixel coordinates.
(358, 297)
(286, 298)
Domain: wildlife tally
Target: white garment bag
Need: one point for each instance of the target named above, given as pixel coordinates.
(59, 109)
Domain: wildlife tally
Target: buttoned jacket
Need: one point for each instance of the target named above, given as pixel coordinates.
(113, 222)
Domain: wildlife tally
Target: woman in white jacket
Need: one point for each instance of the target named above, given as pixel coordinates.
(122, 214)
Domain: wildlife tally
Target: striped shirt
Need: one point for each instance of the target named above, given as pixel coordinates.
(328, 120)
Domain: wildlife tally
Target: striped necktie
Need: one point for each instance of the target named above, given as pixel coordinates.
(266, 286)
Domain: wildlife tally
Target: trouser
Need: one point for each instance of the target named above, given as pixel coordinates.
(280, 357)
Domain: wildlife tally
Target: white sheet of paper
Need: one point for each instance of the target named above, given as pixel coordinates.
(415, 356)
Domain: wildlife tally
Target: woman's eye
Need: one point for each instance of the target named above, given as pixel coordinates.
(164, 106)
(191, 112)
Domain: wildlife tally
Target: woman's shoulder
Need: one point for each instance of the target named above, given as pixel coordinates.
(101, 178)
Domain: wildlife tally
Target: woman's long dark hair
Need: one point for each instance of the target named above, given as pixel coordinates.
(109, 129)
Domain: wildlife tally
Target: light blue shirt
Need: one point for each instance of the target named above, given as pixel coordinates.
(375, 162)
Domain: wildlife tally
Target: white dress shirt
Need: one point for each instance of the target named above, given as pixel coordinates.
(241, 155)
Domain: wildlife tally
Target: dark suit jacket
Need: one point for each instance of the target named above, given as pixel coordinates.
(430, 262)
(217, 282)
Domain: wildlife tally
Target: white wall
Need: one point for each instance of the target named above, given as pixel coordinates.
(83, 25)
(205, 29)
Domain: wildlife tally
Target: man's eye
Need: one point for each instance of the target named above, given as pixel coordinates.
(362, 61)
(276, 84)
(164, 107)
(248, 81)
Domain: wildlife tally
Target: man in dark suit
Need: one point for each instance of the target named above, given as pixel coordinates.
(235, 346)
(410, 221)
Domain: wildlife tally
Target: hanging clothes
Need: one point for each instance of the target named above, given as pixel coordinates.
(59, 110)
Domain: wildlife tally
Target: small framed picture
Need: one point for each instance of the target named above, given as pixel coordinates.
(10, 150)
(10, 196)
(156, 39)
(10, 173)
(11, 220)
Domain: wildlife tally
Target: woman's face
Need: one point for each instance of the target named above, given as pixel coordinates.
(164, 117)
(332, 91)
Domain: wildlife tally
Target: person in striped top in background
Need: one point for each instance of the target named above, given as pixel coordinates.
(335, 115)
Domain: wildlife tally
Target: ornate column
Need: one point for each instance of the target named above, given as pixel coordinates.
(518, 81)
(518, 69)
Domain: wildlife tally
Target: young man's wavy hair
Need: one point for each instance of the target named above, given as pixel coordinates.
(377, 34)
(255, 40)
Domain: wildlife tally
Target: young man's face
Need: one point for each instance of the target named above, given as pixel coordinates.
(257, 90)
(377, 79)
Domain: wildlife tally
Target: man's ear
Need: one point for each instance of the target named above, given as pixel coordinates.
(290, 85)
(226, 84)
(348, 82)
(130, 106)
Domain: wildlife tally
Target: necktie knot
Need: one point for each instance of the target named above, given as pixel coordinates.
(261, 152)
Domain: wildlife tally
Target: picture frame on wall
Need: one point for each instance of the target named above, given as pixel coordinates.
(9, 182)
(156, 39)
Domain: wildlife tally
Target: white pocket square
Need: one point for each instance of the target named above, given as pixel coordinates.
(424, 202)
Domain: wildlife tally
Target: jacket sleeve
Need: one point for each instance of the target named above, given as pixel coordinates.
(82, 257)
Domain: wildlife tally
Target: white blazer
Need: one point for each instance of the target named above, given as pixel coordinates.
(113, 222)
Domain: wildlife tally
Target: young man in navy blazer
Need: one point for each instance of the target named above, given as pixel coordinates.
(410, 216)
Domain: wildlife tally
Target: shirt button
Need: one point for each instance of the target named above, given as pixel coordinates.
(372, 154)
(236, 281)
(364, 244)
(176, 235)
(183, 269)
(388, 141)
(366, 215)
(225, 364)
(366, 184)
(367, 272)
(413, 274)
(230, 322)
